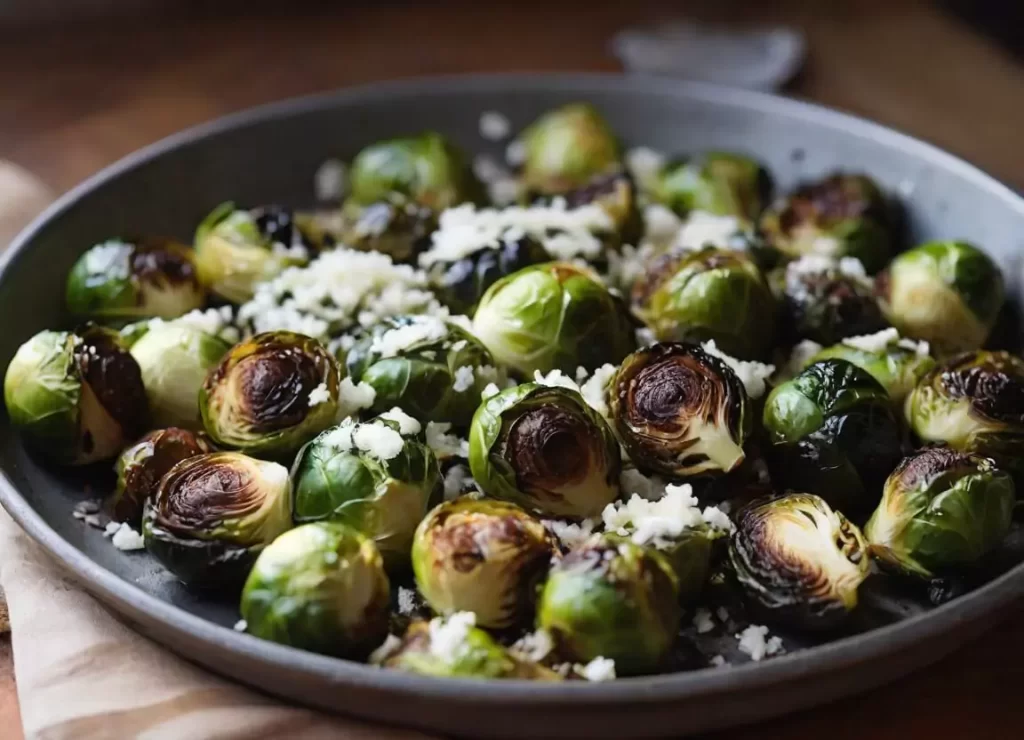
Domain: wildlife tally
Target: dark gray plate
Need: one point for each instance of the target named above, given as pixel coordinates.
(270, 155)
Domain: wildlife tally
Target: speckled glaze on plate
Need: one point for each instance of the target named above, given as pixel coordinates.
(270, 154)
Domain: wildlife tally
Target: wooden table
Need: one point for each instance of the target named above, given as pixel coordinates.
(73, 101)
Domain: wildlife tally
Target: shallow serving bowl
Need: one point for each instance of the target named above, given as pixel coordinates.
(271, 155)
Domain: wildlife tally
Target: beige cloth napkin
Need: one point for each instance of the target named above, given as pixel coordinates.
(82, 675)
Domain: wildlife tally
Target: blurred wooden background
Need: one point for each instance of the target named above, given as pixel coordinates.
(76, 98)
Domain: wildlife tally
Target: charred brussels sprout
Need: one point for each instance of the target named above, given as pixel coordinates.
(270, 394)
(235, 249)
(825, 303)
(426, 170)
(174, 360)
(454, 648)
(76, 397)
(615, 194)
(553, 316)
(798, 561)
(948, 293)
(484, 557)
(320, 587)
(973, 402)
(833, 432)
(212, 514)
(430, 368)
(462, 283)
(566, 147)
(721, 183)
(613, 599)
(141, 466)
(842, 215)
(132, 279)
(383, 497)
(399, 230)
(941, 509)
(680, 411)
(898, 366)
(711, 293)
(546, 449)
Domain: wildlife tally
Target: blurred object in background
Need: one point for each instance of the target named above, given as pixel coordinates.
(1003, 20)
(756, 58)
(22, 198)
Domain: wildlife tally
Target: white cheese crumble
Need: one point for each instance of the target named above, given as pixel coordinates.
(353, 398)
(419, 330)
(632, 481)
(216, 321)
(330, 180)
(753, 375)
(110, 259)
(800, 355)
(555, 379)
(503, 191)
(534, 646)
(294, 252)
(565, 232)
(240, 626)
(701, 229)
(407, 425)
(655, 522)
(389, 647)
(815, 264)
(463, 379)
(515, 153)
(599, 669)
(378, 440)
(487, 169)
(645, 337)
(754, 641)
(876, 342)
(456, 481)
(319, 395)
(702, 621)
(644, 164)
(716, 518)
(491, 389)
(718, 661)
(594, 390)
(494, 126)
(123, 537)
(919, 347)
(722, 613)
(448, 636)
(406, 601)
(570, 534)
(443, 444)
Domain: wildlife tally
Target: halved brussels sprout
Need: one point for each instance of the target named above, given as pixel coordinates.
(426, 170)
(710, 293)
(722, 183)
(825, 304)
(484, 557)
(399, 230)
(973, 402)
(613, 599)
(454, 648)
(553, 316)
(842, 215)
(833, 432)
(615, 194)
(235, 249)
(320, 587)
(941, 509)
(212, 514)
(430, 368)
(128, 279)
(798, 561)
(462, 283)
(898, 366)
(566, 147)
(174, 360)
(680, 411)
(948, 293)
(141, 466)
(270, 394)
(76, 397)
(383, 498)
(546, 449)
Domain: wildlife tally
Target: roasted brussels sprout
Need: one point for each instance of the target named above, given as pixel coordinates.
(426, 170)
(76, 397)
(212, 514)
(121, 280)
(680, 411)
(833, 432)
(235, 249)
(895, 363)
(270, 394)
(612, 598)
(941, 509)
(399, 229)
(615, 194)
(553, 316)
(174, 360)
(430, 368)
(798, 561)
(319, 587)
(710, 293)
(566, 147)
(824, 302)
(462, 283)
(481, 556)
(384, 498)
(545, 449)
(721, 183)
(453, 647)
(141, 466)
(842, 215)
(948, 293)
(973, 402)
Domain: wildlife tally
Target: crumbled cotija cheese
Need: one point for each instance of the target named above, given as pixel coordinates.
(702, 621)
(920, 347)
(329, 180)
(570, 534)
(448, 636)
(352, 398)
(463, 379)
(599, 669)
(534, 646)
(718, 661)
(632, 481)
(406, 424)
(754, 641)
(494, 126)
(753, 375)
(389, 647)
(701, 229)
(240, 626)
(515, 153)
(124, 537)
(406, 601)
(594, 390)
(443, 444)
(876, 342)
(420, 329)
(319, 395)
(456, 481)
(654, 521)
(644, 163)
(111, 259)
(491, 389)
(800, 356)
(555, 379)
(378, 440)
